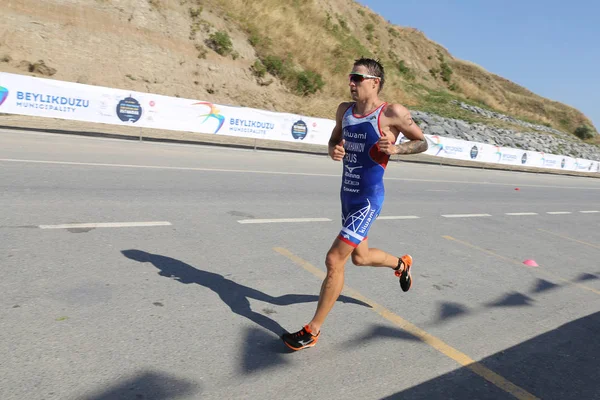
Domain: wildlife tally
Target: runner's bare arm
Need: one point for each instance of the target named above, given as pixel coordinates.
(417, 142)
(405, 124)
(336, 146)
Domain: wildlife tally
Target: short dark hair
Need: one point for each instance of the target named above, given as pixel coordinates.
(374, 67)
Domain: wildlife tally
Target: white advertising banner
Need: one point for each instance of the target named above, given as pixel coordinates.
(25, 95)
(55, 99)
(532, 159)
(484, 152)
(510, 156)
(466, 150)
(449, 147)
(586, 165)
(552, 161)
(310, 130)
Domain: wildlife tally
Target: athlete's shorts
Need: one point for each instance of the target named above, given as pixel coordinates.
(357, 219)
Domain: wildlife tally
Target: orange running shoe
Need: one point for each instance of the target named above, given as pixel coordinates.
(404, 274)
(302, 339)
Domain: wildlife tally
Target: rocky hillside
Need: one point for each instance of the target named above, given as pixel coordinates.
(284, 55)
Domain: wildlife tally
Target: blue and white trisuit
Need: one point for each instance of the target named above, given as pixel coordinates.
(362, 190)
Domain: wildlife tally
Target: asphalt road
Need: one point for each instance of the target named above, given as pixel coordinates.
(185, 291)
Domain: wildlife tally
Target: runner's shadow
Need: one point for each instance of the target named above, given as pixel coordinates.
(235, 295)
(378, 332)
(147, 384)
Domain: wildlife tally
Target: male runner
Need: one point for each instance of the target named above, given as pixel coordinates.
(364, 137)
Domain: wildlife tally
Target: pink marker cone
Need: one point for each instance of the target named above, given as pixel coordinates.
(530, 263)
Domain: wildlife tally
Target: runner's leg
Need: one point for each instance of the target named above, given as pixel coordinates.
(363, 256)
(336, 259)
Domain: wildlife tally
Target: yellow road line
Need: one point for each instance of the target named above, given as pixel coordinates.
(420, 334)
(570, 238)
(510, 260)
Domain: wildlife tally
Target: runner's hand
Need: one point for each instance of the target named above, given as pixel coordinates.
(387, 146)
(338, 151)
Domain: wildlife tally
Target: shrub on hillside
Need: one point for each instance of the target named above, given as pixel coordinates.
(584, 132)
(405, 71)
(220, 42)
(446, 72)
(259, 69)
(309, 82)
(370, 28)
(274, 65)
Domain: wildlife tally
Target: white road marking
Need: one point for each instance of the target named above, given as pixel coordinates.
(282, 220)
(279, 173)
(589, 212)
(522, 213)
(558, 212)
(134, 141)
(465, 215)
(399, 217)
(106, 225)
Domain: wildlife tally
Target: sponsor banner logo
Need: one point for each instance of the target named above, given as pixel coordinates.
(129, 110)
(435, 143)
(213, 113)
(299, 130)
(44, 101)
(3, 94)
(474, 152)
(509, 157)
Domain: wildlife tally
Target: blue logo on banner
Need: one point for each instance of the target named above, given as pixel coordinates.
(562, 163)
(474, 152)
(250, 126)
(129, 110)
(299, 130)
(49, 102)
(524, 158)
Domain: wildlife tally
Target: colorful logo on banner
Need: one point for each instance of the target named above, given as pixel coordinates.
(299, 130)
(524, 158)
(562, 163)
(213, 113)
(543, 159)
(3, 94)
(436, 143)
(498, 152)
(129, 110)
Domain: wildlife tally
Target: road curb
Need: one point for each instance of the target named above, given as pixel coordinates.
(77, 128)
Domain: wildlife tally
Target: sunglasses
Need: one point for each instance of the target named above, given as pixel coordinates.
(357, 78)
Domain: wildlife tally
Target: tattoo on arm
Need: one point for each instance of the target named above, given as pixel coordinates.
(412, 147)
